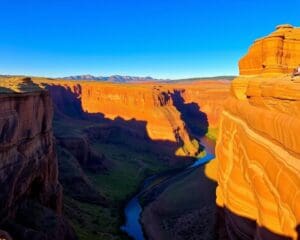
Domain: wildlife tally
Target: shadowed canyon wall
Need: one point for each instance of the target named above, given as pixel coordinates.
(153, 120)
(208, 95)
(258, 144)
(161, 122)
(156, 104)
(31, 196)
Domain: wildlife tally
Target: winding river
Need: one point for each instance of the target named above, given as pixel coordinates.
(133, 209)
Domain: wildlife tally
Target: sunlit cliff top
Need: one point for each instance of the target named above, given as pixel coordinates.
(276, 53)
(18, 85)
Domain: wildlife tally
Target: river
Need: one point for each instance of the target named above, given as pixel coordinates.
(133, 209)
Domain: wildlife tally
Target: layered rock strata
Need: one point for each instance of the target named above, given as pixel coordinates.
(28, 164)
(258, 145)
(163, 107)
(279, 52)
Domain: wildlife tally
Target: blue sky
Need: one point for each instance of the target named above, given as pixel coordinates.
(160, 38)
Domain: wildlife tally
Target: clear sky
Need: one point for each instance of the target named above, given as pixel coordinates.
(160, 38)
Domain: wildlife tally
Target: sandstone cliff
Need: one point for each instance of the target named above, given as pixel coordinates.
(277, 53)
(258, 145)
(208, 95)
(178, 113)
(31, 196)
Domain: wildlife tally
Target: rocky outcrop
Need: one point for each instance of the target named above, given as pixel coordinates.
(277, 53)
(31, 196)
(258, 145)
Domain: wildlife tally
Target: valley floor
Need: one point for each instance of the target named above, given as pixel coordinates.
(182, 207)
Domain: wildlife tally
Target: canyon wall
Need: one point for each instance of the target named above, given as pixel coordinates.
(113, 129)
(258, 148)
(163, 106)
(31, 196)
(208, 95)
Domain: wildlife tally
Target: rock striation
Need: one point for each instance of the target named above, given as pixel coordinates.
(258, 145)
(162, 106)
(31, 196)
(279, 52)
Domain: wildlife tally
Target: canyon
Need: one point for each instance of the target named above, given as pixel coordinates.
(162, 106)
(258, 144)
(108, 138)
(73, 153)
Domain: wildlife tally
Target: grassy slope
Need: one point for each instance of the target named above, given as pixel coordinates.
(129, 169)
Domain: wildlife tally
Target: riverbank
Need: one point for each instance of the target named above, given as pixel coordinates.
(134, 205)
(173, 199)
(184, 209)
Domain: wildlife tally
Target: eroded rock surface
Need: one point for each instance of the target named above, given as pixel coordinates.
(278, 52)
(28, 165)
(259, 142)
(161, 106)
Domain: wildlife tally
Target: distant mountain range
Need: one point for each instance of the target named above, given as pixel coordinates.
(125, 79)
(113, 78)
(128, 79)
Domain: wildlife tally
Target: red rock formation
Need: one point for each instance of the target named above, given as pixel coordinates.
(28, 164)
(152, 103)
(277, 53)
(133, 101)
(258, 145)
(209, 95)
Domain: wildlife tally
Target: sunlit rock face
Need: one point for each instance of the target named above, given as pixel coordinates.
(258, 148)
(210, 97)
(128, 101)
(168, 110)
(278, 52)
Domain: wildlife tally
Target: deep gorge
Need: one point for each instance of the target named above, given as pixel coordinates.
(103, 156)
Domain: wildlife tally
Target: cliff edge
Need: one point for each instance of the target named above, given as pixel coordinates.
(258, 148)
(31, 196)
(178, 114)
(278, 52)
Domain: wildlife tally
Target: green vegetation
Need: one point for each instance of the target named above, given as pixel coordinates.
(127, 170)
(129, 160)
(212, 133)
(93, 222)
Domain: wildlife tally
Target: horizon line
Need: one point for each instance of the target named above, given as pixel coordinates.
(122, 75)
